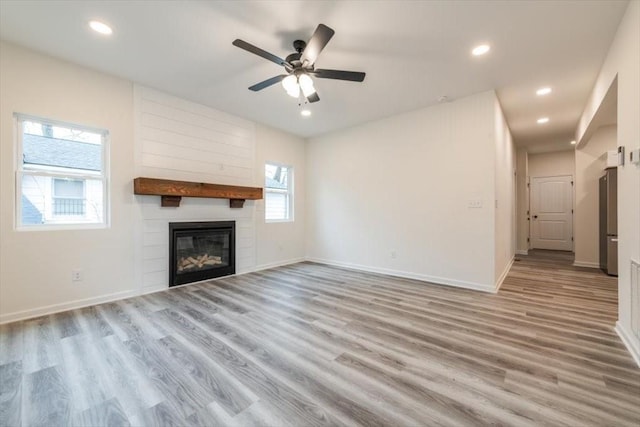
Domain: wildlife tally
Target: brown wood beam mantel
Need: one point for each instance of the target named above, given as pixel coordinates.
(172, 192)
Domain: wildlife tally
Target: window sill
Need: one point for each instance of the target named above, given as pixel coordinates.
(277, 221)
(62, 227)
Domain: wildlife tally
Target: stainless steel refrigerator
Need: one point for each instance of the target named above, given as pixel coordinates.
(609, 222)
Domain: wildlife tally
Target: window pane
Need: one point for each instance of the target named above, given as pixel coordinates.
(41, 206)
(276, 205)
(43, 151)
(61, 174)
(276, 177)
(278, 195)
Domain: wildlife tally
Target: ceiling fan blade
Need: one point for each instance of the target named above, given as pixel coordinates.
(273, 80)
(313, 97)
(352, 76)
(257, 51)
(318, 41)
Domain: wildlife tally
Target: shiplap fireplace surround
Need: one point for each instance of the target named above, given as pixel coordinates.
(177, 140)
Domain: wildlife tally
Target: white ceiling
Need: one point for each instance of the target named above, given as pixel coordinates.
(413, 53)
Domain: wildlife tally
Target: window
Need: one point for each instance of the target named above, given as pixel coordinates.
(61, 175)
(278, 197)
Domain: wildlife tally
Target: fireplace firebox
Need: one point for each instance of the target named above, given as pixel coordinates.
(201, 251)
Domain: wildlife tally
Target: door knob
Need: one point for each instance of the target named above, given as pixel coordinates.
(535, 217)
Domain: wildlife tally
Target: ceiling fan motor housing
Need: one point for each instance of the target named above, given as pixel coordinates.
(294, 59)
(299, 45)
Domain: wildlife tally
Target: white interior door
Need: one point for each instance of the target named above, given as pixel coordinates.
(551, 213)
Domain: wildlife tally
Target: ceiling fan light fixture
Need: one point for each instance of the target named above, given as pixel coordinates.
(306, 84)
(290, 84)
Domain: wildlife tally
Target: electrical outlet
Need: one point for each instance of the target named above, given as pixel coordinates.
(76, 275)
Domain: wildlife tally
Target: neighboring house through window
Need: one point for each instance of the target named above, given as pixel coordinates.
(61, 178)
(68, 197)
(278, 193)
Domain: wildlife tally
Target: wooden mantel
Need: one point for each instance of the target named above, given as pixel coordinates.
(171, 192)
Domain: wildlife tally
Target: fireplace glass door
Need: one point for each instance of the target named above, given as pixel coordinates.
(201, 251)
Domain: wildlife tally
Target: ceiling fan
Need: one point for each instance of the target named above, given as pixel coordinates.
(299, 66)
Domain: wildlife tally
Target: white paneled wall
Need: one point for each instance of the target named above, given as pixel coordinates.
(177, 139)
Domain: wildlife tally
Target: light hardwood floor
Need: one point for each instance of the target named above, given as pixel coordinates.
(308, 345)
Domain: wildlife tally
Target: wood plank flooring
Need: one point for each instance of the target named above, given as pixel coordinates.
(312, 345)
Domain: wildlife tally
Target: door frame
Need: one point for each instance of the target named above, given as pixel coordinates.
(573, 208)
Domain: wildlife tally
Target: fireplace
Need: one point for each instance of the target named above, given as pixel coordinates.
(201, 251)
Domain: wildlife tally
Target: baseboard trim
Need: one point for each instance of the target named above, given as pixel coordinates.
(406, 275)
(275, 264)
(504, 275)
(522, 252)
(631, 342)
(586, 264)
(57, 308)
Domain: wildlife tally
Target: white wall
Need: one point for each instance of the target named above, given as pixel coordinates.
(623, 60)
(281, 242)
(590, 160)
(163, 137)
(505, 208)
(35, 266)
(522, 197)
(551, 164)
(402, 186)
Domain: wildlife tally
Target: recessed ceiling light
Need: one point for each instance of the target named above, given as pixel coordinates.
(481, 50)
(305, 113)
(100, 27)
(573, 142)
(543, 120)
(543, 91)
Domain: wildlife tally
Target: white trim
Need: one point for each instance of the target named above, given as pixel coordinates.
(153, 289)
(407, 275)
(632, 343)
(522, 252)
(274, 265)
(72, 305)
(586, 264)
(504, 274)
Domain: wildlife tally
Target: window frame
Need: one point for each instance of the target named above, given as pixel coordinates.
(288, 191)
(54, 172)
